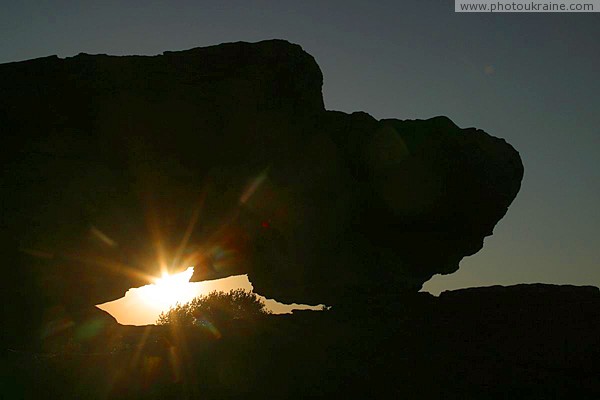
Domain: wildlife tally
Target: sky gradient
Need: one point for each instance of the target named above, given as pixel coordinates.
(531, 79)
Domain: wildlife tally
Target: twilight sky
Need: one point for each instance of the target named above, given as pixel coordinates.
(532, 79)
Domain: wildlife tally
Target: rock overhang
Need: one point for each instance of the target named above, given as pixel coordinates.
(314, 205)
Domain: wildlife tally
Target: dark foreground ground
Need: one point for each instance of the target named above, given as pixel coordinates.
(526, 341)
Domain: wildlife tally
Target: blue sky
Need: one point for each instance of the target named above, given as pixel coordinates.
(530, 78)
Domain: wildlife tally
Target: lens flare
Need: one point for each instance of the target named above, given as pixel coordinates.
(169, 290)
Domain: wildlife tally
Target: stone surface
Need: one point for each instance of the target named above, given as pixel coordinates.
(225, 158)
(523, 342)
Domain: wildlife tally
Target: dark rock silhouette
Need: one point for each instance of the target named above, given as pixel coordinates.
(107, 156)
(225, 158)
(527, 341)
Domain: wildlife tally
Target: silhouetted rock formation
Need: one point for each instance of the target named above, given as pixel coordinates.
(109, 160)
(525, 342)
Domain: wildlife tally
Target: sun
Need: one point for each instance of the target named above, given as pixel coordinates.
(169, 290)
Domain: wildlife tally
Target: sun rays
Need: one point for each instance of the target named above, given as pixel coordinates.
(169, 290)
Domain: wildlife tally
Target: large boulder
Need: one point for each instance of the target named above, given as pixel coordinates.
(225, 158)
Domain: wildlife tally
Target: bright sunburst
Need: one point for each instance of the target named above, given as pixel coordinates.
(142, 305)
(169, 290)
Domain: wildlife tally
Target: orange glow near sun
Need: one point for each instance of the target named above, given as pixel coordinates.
(169, 290)
(142, 305)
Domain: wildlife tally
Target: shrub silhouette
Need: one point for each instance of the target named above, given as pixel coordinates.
(215, 308)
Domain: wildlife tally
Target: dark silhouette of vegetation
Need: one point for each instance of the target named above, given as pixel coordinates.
(214, 308)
